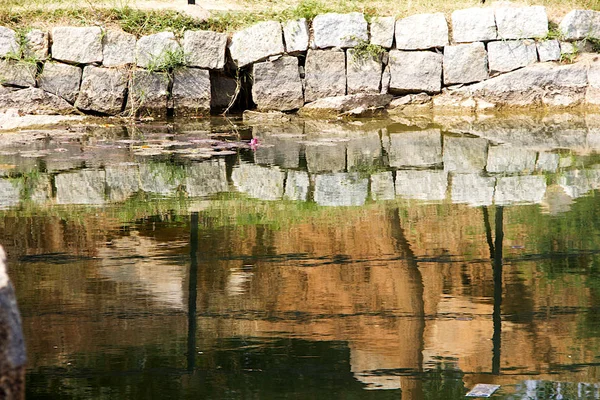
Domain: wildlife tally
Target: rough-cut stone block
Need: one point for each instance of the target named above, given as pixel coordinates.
(148, 92)
(277, 85)
(421, 32)
(464, 155)
(222, 90)
(122, 181)
(191, 91)
(81, 187)
(592, 95)
(382, 186)
(17, 73)
(386, 77)
(204, 49)
(265, 183)
(421, 185)
(296, 186)
(118, 48)
(8, 42)
(352, 104)
(547, 162)
(580, 24)
(153, 51)
(473, 25)
(35, 101)
(508, 159)
(325, 74)
(341, 190)
(160, 178)
(206, 178)
(82, 45)
(363, 73)
(520, 189)
(382, 31)
(473, 189)
(415, 71)
(61, 79)
(509, 55)
(465, 63)
(325, 157)
(102, 90)
(256, 43)
(37, 44)
(548, 50)
(521, 22)
(295, 34)
(339, 30)
(415, 149)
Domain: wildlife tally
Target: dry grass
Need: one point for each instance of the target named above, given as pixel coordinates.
(149, 16)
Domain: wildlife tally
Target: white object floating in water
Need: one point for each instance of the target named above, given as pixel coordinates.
(483, 390)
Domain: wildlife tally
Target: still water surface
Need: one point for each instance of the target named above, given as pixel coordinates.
(381, 259)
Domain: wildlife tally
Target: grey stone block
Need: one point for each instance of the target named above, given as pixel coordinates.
(521, 22)
(382, 186)
(363, 73)
(265, 183)
(464, 155)
(382, 31)
(10, 193)
(473, 25)
(473, 189)
(508, 159)
(415, 71)
(341, 190)
(548, 50)
(35, 101)
(118, 48)
(256, 43)
(148, 92)
(325, 157)
(339, 30)
(154, 51)
(325, 74)
(8, 42)
(277, 85)
(122, 181)
(415, 149)
(297, 185)
(204, 49)
(102, 90)
(465, 63)
(422, 184)
(295, 34)
(505, 56)
(81, 187)
(82, 45)
(421, 32)
(363, 151)
(61, 79)
(191, 91)
(580, 24)
(547, 162)
(160, 178)
(37, 44)
(206, 178)
(17, 73)
(520, 189)
(222, 89)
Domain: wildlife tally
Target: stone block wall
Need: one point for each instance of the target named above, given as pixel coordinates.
(291, 63)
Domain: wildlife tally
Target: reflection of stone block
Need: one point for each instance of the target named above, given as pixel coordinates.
(81, 187)
(278, 144)
(265, 183)
(122, 181)
(364, 150)
(422, 185)
(472, 189)
(206, 178)
(382, 186)
(508, 159)
(160, 178)
(547, 162)
(9, 193)
(296, 185)
(518, 189)
(325, 157)
(576, 183)
(341, 189)
(415, 149)
(463, 154)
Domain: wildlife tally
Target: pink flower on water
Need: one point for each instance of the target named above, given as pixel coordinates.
(254, 143)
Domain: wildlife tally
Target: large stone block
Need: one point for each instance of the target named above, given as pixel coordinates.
(295, 34)
(191, 91)
(415, 71)
(81, 187)
(102, 90)
(508, 159)
(521, 22)
(206, 178)
(580, 24)
(382, 31)
(464, 155)
(341, 189)
(505, 56)
(339, 30)
(8, 42)
(415, 149)
(148, 92)
(422, 185)
(118, 48)
(421, 32)
(17, 73)
(548, 50)
(382, 186)
(473, 189)
(256, 43)
(277, 85)
(265, 183)
(473, 25)
(37, 44)
(61, 79)
(82, 45)
(363, 73)
(352, 104)
(297, 185)
(155, 51)
(325, 74)
(465, 63)
(592, 95)
(204, 49)
(520, 189)
(35, 101)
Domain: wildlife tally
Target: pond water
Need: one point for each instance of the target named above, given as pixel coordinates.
(395, 258)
